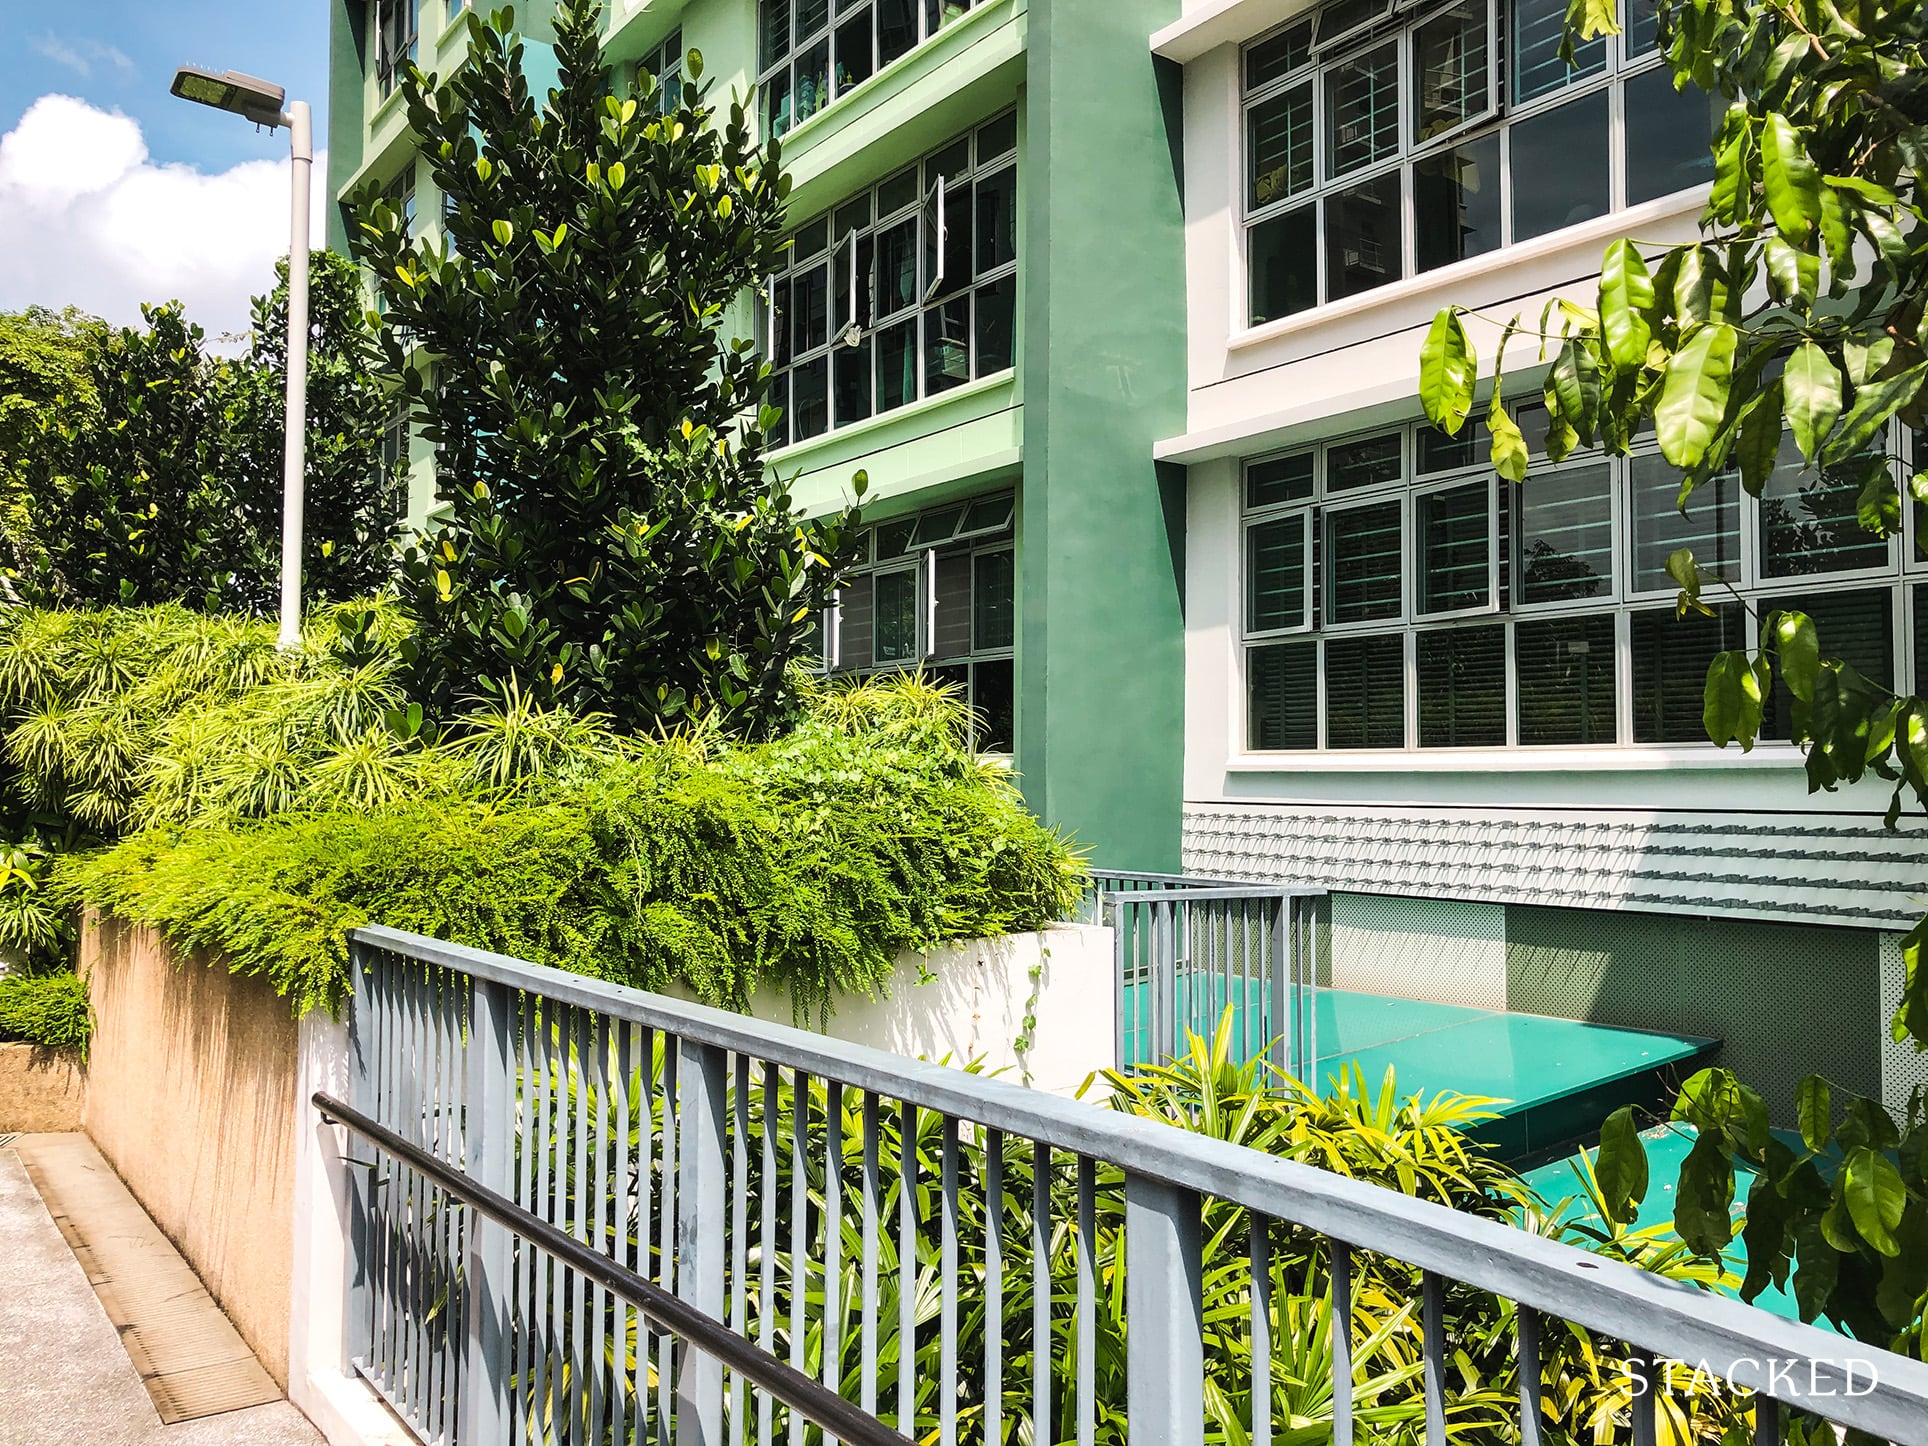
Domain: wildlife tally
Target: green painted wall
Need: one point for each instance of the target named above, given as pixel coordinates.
(347, 127)
(1788, 999)
(1101, 656)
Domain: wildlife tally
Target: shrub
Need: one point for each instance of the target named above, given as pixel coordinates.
(808, 863)
(46, 1009)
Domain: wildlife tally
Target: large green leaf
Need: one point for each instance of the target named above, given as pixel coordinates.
(1811, 386)
(1626, 292)
(1875, 1196)
(1792, 182)
(1736, 685)
(1704, 1197)
(1873, 406)
(1814, 1107)
(1621, 1166)
(1693, 397)
(1798, 647)
(1447, 367)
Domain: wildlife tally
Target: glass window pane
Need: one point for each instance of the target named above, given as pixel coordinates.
(997, 219)
(895, 625)
(1711, 526)
(775, 31)
(1809, 521)
(811, 238)
(990, 514)
(1560, 167)
(855, 61)
(1565, 668)
(1451, 83)
(897, 267)
(1275, 573)
(810, 397)
(1536, 32)
(1278, 147)
(994, 700)
(1365, 462)
(947, 345)
(809, 309)
(1462, 687)
(895, 538)
(898, 192)
(1856, 627)
(1282, 682)
(996, 311)
(897, 365)
(1643, 27)
(852, 366)
(1439, 452)
(1285, 266)
(812, 16)
(1362, 110)
(1278, 479)
(1278, 55)
(938, 525)
(779, 397)
(1362, 237)
(1365, 692)
(813, 80)
(896, 29)
(1456, 203)
(1669, 136)
(1364, 553)
(952, 161)
(958, 236)
(1566, 535)
(994, 613)
(1671, 656)
(1455, 548)
(997, 138)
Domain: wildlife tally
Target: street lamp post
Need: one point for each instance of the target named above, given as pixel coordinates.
(260, 102)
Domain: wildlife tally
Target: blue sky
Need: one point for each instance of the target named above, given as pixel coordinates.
(121, 55)
(112, 192)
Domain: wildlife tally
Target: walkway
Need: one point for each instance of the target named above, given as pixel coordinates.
(64, 1375)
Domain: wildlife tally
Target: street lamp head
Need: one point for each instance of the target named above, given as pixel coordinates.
(243, 95)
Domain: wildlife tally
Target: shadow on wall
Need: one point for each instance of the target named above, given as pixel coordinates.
(191, 1098)
(1788, 1000)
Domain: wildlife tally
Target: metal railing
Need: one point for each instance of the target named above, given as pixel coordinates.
(955, 1256)
(1189, 948)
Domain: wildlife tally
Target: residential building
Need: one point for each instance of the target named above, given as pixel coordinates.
(1468, 706)
(983, 310)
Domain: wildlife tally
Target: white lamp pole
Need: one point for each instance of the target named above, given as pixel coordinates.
(260, 102)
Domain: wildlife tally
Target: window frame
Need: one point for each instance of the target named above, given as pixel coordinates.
(1495, 499)
(928, 19)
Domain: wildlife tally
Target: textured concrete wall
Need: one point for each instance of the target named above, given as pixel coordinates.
(41, 1090)
(191, 1098)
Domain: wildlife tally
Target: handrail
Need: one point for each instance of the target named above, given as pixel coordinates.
(797, 1391)
(1667, 1318)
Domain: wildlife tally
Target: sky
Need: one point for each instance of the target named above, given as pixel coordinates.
(112, 192)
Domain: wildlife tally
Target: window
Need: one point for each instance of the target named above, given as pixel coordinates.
(1396, 595)
(665, 64)
(905, 291)
(809, 57)
(938, 590)
(1382, 135)
(398, 25)
(395, 439)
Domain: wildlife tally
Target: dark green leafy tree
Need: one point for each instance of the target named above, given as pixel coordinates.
(613, 540)
(1800, 313)
(354, 501)
(45, 385)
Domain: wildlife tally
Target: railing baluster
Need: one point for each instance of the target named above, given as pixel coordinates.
(1261, 1267)
(541, 1323)
(666, 1346)
(489, 1151)
(648, 1196)
(620, 1238)
(1646, 1382)
(1433, 1307)
(1043, 1427)
(947, 1287)
(1767, 1420)
(1164, 1309)
(993, 1287)
(700, 1265)
(1087, 1302)
(1340, 1325)
(833, 1235)
(767, 1242)
(907, 1271)
(873, 1203)
(1527, 1324)
(739, 1232)
(601, 1406)
(581, 1393)
(799, 1252)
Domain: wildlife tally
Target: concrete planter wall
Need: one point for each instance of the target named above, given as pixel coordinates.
(42, 1091)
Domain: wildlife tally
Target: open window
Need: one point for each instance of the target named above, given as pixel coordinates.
(935, 234)
(1456, 527)
(1341, 23)
(1455, 75)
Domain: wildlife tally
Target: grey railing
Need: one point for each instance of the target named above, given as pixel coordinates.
(1189, 948)
(956, 1256)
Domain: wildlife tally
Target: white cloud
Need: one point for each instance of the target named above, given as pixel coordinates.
(81, 54)
(86, 218)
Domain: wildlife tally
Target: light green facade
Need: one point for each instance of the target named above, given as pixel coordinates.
(1099, 347)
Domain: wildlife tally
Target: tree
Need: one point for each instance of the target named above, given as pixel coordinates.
(44, 385)
(354, 500)
(1801, 312)
(613, 540)
(167, 485)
